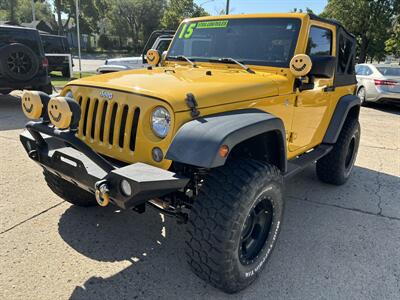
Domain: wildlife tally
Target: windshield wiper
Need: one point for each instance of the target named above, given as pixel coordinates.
(182, 57)
(232, 60)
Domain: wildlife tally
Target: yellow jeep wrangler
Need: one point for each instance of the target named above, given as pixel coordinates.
(208, 132)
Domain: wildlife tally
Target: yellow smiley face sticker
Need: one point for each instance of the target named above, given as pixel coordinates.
(59, 112)
(300, 65)
(153, 57)
(32, 105)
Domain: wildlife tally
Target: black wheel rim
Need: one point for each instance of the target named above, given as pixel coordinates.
(256, 230)
(350, 153)
(19, 63)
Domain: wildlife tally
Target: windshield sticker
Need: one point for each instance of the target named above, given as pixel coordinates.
(213, 24)
(187, 30)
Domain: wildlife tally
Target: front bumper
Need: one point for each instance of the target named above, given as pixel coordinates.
(66, 156)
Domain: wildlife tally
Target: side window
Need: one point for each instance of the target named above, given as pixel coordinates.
(163, 45)
(344, 55)
(319, 42)
(367, 71)
(359, 70)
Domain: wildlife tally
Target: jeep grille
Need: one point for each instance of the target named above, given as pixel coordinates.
(108, 123)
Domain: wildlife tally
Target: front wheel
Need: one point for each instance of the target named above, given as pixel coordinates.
(68, 191)
(234, 223)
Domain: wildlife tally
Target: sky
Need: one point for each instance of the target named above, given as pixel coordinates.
(213, 7)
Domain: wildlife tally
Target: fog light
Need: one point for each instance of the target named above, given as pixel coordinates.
(126, 188)
(157, 154)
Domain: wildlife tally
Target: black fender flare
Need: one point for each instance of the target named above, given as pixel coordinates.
(344, 105)
(198, 141)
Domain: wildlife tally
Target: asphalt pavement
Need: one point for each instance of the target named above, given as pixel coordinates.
(336, 242)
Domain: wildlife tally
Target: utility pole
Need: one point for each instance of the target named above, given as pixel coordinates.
(33, 11)
(227, 7)
(78, 37)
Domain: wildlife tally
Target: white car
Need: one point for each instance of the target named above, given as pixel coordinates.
(161, 43)
(378, 83)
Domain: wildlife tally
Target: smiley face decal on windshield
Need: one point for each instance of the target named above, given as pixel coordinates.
(32, 105)
(300, 65)
(60, 113)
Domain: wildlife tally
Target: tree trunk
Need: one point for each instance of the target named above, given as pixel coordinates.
(12, 11)
(363, 49)
(57, 4)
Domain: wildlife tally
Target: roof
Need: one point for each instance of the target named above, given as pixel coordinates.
(17, 27)
(274, 15)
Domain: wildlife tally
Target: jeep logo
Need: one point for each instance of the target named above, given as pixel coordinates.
(107, 95)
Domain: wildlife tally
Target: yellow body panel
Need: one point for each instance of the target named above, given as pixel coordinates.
(306, 115)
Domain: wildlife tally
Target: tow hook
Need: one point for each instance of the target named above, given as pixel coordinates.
(102, 193)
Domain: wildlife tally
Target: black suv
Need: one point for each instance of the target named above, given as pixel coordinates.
(57, 44)
(23, 64)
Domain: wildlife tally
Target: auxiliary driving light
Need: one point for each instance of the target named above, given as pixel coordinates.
(126, 188)
(34, 104)
(64, 112)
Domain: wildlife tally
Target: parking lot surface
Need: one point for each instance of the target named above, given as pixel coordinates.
(336, 242)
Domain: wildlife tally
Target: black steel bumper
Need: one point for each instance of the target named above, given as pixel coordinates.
(63, 154)
(36, 82)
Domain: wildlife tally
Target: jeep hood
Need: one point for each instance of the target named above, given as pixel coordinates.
(211, 87)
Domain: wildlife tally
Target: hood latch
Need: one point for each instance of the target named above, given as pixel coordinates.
(192, 104)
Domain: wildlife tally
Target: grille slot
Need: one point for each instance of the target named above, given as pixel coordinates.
(123, 125)
(112, 123)
(135, 123)
(85, 107)
(103, 120)
(94, 118)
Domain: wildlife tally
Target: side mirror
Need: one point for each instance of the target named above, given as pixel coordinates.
(163, 56)
(323, 66)
(300, 65)
(153, 57)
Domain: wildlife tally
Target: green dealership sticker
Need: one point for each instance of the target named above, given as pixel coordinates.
(187, 30)
(213, 24)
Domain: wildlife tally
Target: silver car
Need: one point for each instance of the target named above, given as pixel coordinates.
(378, 83)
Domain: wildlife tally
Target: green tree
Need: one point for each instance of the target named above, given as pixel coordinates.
(178, 10)
(136, 19)
(370, 20)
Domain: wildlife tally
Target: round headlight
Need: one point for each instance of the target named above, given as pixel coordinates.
(69, 94)
(160, 121)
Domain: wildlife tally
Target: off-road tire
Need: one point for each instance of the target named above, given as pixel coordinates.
(68, 191)
(335, 168)
(65, 72)
(217, 222)
(18, 62)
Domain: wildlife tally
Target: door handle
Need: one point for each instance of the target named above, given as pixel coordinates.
(329, 89)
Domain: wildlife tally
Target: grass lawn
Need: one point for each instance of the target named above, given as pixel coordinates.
(59, 81)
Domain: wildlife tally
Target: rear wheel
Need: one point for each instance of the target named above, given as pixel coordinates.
(65, 72)
(362, 94)
(234, 223)
(68, 191)
(335, 168)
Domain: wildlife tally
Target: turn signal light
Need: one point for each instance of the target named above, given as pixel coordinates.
(223, 151)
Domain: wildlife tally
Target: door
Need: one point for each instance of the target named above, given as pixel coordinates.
(311, 106)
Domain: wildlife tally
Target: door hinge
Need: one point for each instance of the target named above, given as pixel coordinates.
(296, 101)
(292, 137)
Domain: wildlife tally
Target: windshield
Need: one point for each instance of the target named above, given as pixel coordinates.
(258, 41)
(389, 71)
